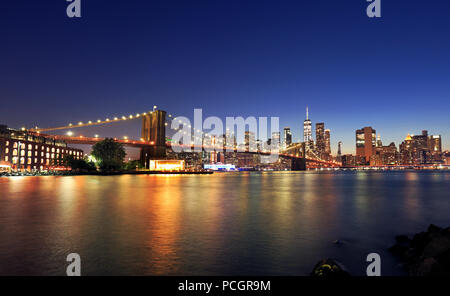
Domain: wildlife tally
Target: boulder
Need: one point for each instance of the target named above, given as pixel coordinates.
(329, 268)
(402, 239)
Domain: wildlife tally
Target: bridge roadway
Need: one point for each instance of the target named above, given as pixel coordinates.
(142, 144)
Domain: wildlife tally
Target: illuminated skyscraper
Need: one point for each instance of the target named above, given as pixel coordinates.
(307, 129)
(276, 139)
(287, 137)
(327, 142)
(320, 138)
(366, 142)
(339, 152)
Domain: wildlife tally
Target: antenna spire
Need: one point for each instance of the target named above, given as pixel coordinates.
(307, 113)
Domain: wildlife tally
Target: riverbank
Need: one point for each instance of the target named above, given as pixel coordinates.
(69, 173)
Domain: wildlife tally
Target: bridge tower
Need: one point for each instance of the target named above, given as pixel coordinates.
(154, 130)
(298, 164)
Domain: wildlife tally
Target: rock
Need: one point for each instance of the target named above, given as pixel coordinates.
(424, 267)
(434, 229)
(436, 247)
(427, 254)
(420, 240)
(402, 239)
(337, 242)
(329, 268)
(399, 250)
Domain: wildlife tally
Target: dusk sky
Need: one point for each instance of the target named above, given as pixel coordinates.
(230, 58)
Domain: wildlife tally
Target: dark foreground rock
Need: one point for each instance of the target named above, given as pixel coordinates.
(329, 268)
(427, 253)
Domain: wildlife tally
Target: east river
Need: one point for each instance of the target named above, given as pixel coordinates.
(270, 223)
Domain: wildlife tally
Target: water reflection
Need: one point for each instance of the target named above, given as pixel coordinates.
(272, 223)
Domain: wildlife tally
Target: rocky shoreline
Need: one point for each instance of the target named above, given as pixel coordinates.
(426, 253)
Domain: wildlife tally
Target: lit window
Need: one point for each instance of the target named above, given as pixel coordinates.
(42, 154)
(29, 154)
(47, 155)
(30, 147)
(36, 147)
(7, 143)
(29, 161)
(15, 152)
(53, 149)
(6, 150)
(35, 153)
(35, 160)
(22, 152)
(48, 149)
(14, 160)
(53, 155)
(15, 144)
(47, 162)
(22, 146)
(57, 150)
(6, 158)
(22, 160)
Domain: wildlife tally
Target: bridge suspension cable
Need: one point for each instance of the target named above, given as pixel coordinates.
(93, 123)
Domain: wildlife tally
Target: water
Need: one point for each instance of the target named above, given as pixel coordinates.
(274, 223)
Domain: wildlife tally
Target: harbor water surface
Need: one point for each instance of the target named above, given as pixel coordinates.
(248, 223)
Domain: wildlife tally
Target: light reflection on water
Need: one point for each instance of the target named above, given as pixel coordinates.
(270, 223)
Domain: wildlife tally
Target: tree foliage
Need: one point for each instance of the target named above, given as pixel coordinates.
(109, 154)
(81, 165)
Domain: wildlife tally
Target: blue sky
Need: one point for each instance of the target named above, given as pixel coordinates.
(230, 58)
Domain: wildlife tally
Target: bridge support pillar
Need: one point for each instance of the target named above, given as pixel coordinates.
(154, 130)
(298, 164)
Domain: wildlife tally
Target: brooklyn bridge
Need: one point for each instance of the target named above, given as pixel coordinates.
(155, 142)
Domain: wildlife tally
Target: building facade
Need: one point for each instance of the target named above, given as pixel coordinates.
(366, 142)
(287, 137)
(28, 151)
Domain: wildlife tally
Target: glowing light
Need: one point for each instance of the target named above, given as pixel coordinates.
(166, 165)
(96, 136)
(80, 123)
(70, 134)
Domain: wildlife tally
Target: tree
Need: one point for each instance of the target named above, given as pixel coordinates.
(78, 164)
(109, 154)
(133, 165)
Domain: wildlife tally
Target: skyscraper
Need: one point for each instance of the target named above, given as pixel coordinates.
(320, 138)
(327, 142)
(276, 139)
(339, 152)
(287, 137)
(366, 142)
(307, 129)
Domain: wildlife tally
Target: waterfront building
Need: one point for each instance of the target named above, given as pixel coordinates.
(365, 143)
(30, 151)
(421, 149)
(385, 155)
